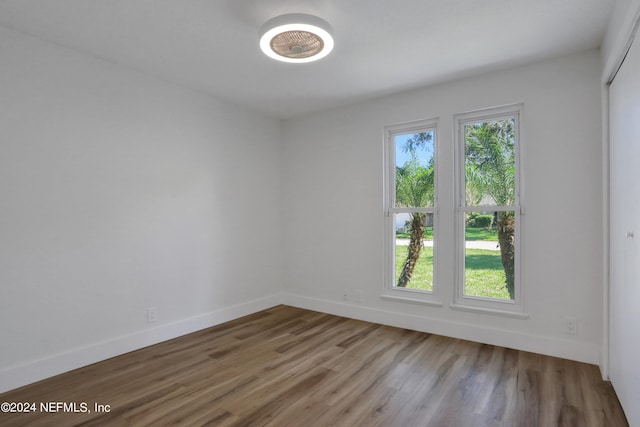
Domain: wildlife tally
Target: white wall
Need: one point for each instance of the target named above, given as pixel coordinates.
(119, 192)
(334, 217)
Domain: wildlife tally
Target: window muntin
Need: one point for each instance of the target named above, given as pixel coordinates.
(488, 147)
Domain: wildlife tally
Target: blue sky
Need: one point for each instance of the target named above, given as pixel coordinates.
(402, 157)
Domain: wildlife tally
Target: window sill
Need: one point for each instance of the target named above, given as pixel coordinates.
(411, 300)
(492, 311)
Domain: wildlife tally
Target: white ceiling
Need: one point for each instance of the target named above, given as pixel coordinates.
(382, 46)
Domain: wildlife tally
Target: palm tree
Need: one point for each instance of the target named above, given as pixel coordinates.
(414, 188)
(490, 172)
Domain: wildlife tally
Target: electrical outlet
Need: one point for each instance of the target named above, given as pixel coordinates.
(152, 314)
(570, 325)
(344, 295)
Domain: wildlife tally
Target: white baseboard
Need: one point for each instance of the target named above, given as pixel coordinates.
(36, 370)
(550, 346)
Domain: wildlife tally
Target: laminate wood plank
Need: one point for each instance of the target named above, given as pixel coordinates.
(292, 367)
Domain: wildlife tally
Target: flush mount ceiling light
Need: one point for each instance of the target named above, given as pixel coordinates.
(296, 37)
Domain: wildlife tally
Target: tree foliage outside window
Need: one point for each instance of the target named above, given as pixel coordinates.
(490, 180)
(415, 188)
(485, 206)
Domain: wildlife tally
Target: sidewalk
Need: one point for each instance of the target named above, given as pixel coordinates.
(469, 244)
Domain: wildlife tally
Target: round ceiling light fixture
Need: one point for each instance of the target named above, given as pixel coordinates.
(296, 38)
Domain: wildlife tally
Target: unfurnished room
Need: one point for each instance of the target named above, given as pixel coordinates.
(412, 213)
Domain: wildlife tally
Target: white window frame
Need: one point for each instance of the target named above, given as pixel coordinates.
(509, 308)
(390, 291)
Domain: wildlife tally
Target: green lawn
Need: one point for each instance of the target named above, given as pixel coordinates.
(428, 234)
(423, 274)
(490, 234)
(484, 275)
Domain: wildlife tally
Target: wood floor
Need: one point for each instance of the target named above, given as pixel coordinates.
(291, 367)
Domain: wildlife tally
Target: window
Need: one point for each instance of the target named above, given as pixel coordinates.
(488, 219)
(411, 211)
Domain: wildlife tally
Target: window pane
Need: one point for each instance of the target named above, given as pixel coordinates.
(490, 163)
(414, 251)
(489, 255)
(414, 169)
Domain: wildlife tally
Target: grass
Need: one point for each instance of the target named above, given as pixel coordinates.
(484, 274)
(428, 234)
(490, 234)
(423, 274)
